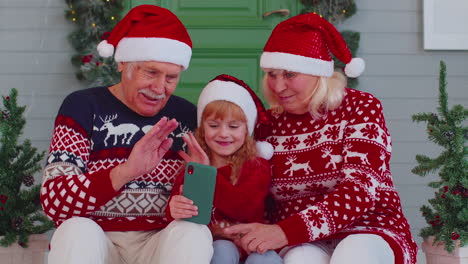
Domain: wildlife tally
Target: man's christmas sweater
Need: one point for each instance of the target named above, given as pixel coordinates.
(242, 202)
(331, 177)
(93, 133)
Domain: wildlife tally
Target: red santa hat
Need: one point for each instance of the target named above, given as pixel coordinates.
(303, 44)
(149, 33)
(228, 88)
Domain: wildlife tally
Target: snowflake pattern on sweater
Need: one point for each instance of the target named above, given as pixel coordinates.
(93, 133)
(331, 177)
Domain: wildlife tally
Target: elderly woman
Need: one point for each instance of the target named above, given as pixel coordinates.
(335, 201)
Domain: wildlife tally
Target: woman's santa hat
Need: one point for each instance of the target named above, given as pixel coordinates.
(149, 33)
(303, 44)
(228, 88)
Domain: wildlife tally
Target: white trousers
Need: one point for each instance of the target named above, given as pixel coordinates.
(357, 248)
(80, 240)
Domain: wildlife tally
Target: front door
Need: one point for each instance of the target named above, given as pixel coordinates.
(228, 37)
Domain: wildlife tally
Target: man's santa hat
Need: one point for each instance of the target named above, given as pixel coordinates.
(149, 33)
(303, 44)
(228, 88)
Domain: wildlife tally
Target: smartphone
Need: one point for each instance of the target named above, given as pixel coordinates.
(199, 186)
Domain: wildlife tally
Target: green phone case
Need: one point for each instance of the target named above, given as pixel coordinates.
(199, 186)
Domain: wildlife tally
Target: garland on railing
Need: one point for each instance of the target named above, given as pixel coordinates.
(93, 19)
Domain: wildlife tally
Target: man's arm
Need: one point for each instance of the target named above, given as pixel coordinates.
(68, 190)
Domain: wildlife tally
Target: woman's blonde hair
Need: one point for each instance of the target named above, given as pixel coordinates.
(220, 109)
(326, 97)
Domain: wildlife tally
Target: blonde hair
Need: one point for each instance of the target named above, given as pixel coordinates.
(327, 96)
(220, 109)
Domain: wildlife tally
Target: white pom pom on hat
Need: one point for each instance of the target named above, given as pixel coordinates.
(355, 67)
(105, 49)
(264, 149)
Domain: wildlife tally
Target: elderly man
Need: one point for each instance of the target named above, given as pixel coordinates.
(113, 155)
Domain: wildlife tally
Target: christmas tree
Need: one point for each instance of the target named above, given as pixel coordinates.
(447, 217)
(20, 209)
(94, 20)
(336, 12)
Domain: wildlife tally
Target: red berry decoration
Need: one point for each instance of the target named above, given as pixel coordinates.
(105, 35)
(87, 58)
(3, 199)
(455, 236)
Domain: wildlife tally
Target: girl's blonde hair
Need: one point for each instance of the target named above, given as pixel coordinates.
(327, 96)
(220, 109)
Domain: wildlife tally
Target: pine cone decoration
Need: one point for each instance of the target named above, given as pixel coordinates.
(28, 180)
(16, 223)
(5, 114)
(448, 135)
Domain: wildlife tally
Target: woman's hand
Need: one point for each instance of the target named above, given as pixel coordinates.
(218, 231)
(196, 153)
(257, 237)
(181, 207)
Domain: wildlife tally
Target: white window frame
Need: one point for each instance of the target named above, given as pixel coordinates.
(445, 24)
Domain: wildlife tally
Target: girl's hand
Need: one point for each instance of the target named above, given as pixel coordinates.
(181, 207)
(196, 153)
(257, 237)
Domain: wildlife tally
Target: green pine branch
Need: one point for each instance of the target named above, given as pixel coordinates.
(443, 97)
(428, 165)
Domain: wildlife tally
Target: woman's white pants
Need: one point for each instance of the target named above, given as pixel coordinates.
(357, 248)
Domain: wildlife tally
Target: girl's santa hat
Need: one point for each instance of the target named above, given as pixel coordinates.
(228, 88)
(303, 44)
(149, 33)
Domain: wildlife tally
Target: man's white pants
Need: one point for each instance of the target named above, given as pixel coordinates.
(80, 240)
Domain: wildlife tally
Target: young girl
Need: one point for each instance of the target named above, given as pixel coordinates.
(227, 114)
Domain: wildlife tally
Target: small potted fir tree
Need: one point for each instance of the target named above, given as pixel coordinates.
(21, 216)
(446, 236)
